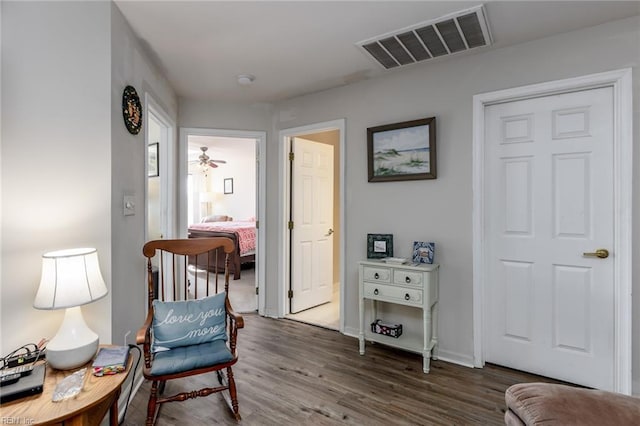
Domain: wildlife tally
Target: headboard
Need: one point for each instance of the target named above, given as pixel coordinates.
(217, 218)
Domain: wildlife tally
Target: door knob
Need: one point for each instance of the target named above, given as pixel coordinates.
(329, 232)
(600, 253)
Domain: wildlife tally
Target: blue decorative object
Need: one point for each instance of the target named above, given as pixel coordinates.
(190, 322)
(423, 252)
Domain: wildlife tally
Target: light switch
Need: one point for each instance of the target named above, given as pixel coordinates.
(129, 204)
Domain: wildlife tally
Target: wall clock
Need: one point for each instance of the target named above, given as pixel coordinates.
(131, 110)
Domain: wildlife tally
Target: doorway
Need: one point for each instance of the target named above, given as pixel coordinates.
(312, 240)
(159, 199)
(223, 182)
(542, 303)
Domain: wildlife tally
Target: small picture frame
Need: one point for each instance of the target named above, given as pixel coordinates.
(228, 186)
(152, 169)
(423, 252)
(379, 246)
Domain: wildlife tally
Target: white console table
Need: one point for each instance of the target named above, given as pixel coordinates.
(401, 284)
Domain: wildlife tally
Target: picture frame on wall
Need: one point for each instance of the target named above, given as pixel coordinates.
(402, 151)
(423, 252)
(228, 186)
(379, 246)
(153, 157)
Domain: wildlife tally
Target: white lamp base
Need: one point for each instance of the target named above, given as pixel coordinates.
(75, 343)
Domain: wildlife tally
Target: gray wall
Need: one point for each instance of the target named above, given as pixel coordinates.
(67, 159)
(56, 155)
(130, 65)
(441, 210)
(435, 210)
(64, 66)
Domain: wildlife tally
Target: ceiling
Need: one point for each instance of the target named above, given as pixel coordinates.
(300, 47)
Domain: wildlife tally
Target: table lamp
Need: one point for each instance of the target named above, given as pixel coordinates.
(70, 278)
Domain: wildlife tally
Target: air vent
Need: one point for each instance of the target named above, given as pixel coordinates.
(453, 33)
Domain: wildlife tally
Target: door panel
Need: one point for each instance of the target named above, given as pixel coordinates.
(312, 215)
(549, 200)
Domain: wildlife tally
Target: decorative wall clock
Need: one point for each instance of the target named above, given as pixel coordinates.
(131, 110)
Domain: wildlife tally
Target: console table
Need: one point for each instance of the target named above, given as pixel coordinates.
(414, 285)
(98, 395)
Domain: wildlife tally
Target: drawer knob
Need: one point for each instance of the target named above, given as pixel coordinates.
(376, 275)
(407, 297)
(407, 279)
(375, 291)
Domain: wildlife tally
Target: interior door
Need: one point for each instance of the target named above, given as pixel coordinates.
(312, 217)
(550, 299)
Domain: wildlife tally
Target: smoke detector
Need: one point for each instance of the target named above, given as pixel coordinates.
(245, 79)
(453, 33)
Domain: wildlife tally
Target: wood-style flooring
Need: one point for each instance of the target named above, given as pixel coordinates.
(290, 373)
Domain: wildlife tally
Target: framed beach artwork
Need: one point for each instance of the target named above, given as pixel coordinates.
(402, 151)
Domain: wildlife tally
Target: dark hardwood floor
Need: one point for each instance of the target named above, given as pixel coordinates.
(291, 373)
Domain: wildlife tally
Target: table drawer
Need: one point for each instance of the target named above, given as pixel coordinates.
(407, 296)
(407, 277)
(378, 274)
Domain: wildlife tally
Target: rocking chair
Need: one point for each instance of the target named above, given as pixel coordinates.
(190, 327)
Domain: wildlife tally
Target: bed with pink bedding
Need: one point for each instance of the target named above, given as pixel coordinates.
(243, 234)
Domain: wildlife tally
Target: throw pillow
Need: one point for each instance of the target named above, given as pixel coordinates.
(189, 322)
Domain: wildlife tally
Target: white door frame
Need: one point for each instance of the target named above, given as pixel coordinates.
(621, 82)
(261, 138)
(284, 177)
(166, 154)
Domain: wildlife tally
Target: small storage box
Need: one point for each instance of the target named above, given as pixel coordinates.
(393, 330)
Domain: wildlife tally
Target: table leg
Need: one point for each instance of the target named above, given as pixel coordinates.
(434, 331)
(113, 411)
(361, 332)
(426, 339)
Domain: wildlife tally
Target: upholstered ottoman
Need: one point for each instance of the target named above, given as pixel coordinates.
(550, 404)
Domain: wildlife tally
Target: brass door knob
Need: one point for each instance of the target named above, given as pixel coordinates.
(600, 253)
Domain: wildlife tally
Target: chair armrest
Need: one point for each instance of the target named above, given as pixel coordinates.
(144, 333)
(237, 318)
(143, 337)
(235, 321)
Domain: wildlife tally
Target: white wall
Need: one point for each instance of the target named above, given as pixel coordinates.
(440, 210)
(130, 65)
(61, 111)
(240, 166)
(67, 159)
(430, 210)
(56, 155)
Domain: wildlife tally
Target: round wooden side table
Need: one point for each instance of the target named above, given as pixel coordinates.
(98, 395)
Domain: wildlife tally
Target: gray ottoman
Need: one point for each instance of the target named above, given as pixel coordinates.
(550, 404)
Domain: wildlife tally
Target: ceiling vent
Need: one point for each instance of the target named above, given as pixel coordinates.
(453, 33)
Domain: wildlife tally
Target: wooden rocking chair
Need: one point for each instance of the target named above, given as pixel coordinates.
(189, 329)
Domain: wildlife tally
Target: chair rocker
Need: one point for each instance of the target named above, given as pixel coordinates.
(190, 327)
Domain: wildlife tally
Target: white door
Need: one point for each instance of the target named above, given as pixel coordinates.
(312, 217)
(549, 306)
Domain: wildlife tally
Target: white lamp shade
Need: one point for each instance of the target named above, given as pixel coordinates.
(69, 278)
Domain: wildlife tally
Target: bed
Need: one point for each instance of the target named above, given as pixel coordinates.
(243, 234)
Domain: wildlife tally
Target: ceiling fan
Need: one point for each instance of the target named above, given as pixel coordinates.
(204, 160)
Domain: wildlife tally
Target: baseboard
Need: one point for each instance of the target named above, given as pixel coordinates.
(455, 358)
(351, 332)
(270, 314)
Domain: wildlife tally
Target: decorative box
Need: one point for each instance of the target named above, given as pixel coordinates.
(393, 330)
